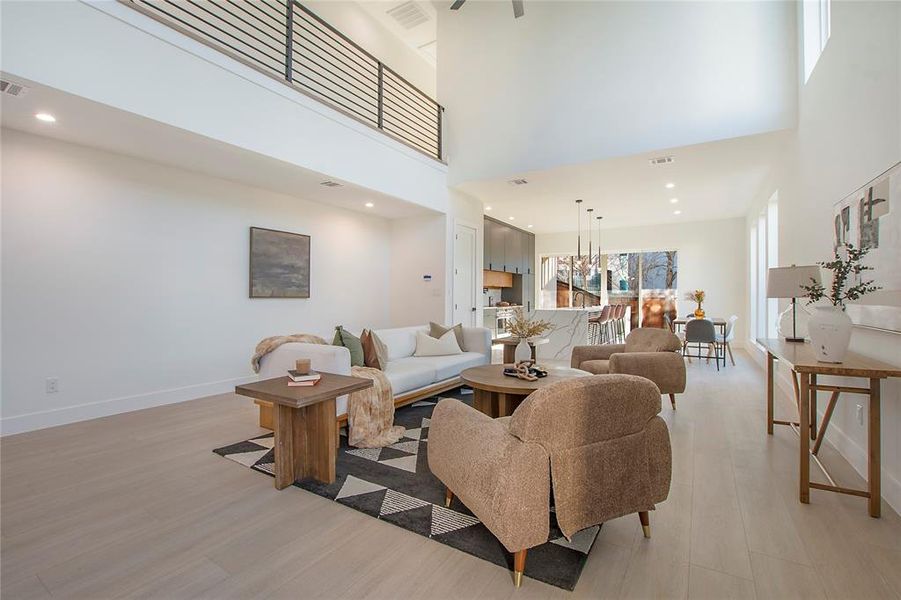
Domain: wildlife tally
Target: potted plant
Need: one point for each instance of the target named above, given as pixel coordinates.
(698, 297)
(525, 328)
(830, 327)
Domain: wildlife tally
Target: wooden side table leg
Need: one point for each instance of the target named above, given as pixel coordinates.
(284, 445)
(813, 406)
(314, 442)
(804, 442)
(874, 457)
(770, 368)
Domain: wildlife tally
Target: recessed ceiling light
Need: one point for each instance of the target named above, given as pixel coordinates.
(487, 208)
(45, 117)
(673, 200)
(369, 205)
(670, 186)
(677, 212)
(529, 226)
(512, 218)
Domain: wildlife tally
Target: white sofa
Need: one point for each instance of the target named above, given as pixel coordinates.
(411, 377)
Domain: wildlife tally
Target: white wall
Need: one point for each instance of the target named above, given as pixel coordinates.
(711, 257)
(849, 131)
(418, 249)
(128, 280)
(572, 82)
(91, 49)
(354, 22)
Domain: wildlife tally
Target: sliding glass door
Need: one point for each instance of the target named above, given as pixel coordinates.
(646, 282)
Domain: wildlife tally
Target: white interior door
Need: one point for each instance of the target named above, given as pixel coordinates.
(464, 275)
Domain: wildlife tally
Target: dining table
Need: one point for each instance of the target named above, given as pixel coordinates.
(718, 322)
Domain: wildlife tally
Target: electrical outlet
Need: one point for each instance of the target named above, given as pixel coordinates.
(52, 384)
(860, 414)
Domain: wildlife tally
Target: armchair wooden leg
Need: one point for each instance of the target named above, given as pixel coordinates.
(729, 348)
(672, 399)
(519, 565)
(448, 496)
(645, 523)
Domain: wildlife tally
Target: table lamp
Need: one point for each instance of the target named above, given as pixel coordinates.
(786, 282)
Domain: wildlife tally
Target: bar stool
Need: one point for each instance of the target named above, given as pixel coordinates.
(597, 326)
(620, 323)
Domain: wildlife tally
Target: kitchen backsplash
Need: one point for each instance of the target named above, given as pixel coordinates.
(492, 296)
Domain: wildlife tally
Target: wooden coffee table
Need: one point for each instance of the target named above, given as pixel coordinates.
(306, 437)
(497, 395)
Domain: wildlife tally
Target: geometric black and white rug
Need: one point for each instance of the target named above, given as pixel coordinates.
(394, 484)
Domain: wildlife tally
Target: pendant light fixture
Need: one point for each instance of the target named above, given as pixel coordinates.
(579, 229)
(589, 211)
(599, 242)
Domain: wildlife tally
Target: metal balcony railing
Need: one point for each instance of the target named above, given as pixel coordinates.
(285, 40)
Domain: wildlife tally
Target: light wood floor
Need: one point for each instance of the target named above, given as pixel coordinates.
(136, 505)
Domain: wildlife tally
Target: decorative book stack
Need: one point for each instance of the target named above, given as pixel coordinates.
(298, 379)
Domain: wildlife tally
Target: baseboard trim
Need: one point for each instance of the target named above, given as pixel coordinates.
(113, 406)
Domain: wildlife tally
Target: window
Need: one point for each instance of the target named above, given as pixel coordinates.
(644, 281)
(763, 254)
(816, 21)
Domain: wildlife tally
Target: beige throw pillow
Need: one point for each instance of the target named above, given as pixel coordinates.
(436, 331)
(446, 345)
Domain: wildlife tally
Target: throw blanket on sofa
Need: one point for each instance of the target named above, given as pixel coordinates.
(370, 412)
(271, 343)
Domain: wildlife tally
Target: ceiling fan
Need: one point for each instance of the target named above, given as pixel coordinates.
(518, 9)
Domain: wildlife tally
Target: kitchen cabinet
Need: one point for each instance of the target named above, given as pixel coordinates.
(528, 291)
(513, 250)
(495, 242)
(508, 249)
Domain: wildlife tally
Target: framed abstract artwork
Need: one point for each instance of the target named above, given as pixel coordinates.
(279, 264)
(870, 217)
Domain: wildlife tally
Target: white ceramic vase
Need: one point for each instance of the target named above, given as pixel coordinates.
(523, 351)
(830, 333)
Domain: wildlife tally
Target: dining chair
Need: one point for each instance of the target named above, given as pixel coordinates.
(725, 339)
(668, 321)
(703, 333)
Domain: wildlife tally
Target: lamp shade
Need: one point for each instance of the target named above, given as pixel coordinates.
(785, 282)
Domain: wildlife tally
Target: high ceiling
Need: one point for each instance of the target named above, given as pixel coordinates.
(576, 82)
(715, 180)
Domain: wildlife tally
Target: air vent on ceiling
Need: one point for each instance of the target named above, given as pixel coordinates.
(662, 160)
(518, 181)
(408, 15)
(13, 89)
(330, 183)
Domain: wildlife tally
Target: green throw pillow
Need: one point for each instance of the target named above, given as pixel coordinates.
(352, 343)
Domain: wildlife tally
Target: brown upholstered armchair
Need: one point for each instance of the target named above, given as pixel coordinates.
(598, 439)
(648, 352)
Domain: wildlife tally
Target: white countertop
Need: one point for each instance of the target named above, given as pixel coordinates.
(574, 308)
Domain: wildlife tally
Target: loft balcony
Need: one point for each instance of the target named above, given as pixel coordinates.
(288, 42)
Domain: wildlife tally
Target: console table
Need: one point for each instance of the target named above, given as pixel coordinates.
(804, 365)
(305, 433)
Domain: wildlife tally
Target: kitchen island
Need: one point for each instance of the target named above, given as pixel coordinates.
(570, 330)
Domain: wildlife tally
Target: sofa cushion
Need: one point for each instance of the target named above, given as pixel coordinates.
(401, 341)
(598, 367)
(352, 343)
(451, 366)
(436, 331)
(375, 353)
(446, 345)
(409, 373)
